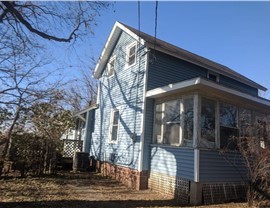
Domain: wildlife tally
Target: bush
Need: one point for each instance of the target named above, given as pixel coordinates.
(34, 154)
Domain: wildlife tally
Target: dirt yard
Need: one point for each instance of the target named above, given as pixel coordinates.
(80, 190)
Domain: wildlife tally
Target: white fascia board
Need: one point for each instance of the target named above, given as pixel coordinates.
(235, 92)
(94, 106)
(116, 31)
(196, 83)
(172, 87)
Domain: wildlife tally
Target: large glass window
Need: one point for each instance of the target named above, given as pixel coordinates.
(208, 122)
(228, 126)
(245, 122)
(171, 122)
(188, 122)
(169, 127)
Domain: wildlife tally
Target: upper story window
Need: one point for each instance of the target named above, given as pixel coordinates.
(114, 125)
(213, 76)
(131, 54)
(111, 66)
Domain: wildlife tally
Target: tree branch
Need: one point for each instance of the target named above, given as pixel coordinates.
(17, 15)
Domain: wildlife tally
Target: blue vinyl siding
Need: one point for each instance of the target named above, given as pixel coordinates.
(124, 91)
(229, 82)
(217, 167)
(148, 132)
(172, 161)
(165, 69)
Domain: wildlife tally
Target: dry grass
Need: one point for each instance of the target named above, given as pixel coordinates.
(80, 190)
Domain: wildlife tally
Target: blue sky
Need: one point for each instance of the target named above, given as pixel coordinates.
(235, 34)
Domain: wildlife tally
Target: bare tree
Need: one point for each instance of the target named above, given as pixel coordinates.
(82, 93)
(254, 146)
(57, 21)
(22, 83)
(27, 29)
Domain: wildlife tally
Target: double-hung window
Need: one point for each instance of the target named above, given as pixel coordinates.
(131, 54)
(114, 125)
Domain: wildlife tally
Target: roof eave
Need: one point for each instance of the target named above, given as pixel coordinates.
(108, 48)
(214, 67)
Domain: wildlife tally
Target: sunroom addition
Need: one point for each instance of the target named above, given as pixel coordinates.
(201, 114)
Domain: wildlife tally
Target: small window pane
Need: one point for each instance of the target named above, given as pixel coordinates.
(245, 123)
(111, 68)
(208, 123)
(212, 77)
(172, 111)
(228, 115)
(228, 126)
(188, 121)
(131, 55)
(116, 117)
(114, 133)
(171, 133)
(132, 50)
(131, 60)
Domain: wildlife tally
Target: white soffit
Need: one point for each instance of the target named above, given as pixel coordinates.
(197, 83)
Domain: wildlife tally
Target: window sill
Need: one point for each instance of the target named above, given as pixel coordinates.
(170, 146)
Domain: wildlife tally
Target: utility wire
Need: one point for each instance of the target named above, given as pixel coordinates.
(156, 18)
(139, 18)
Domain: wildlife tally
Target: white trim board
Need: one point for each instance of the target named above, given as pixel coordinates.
(197, 83)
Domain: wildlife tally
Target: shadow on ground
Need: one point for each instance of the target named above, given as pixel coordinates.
(91, 204)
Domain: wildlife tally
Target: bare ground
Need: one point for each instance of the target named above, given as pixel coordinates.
(81, 190)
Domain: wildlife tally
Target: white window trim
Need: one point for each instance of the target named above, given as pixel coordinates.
(127, 54)
(213, 73)
(113, 58)
(111, 126)
(181, 127)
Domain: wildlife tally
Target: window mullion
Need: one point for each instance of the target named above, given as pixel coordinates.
(181, 130)
(162, 122)
(217, 133)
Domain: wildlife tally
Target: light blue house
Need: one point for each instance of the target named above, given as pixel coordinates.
(165, 116)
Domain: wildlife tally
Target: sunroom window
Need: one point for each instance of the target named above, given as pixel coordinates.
(208, 123)
(188, 122)
(245, 122)
(171, 123)
(174, 122)
(228, 126)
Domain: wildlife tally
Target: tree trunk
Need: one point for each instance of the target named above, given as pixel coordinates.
(9, 134)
